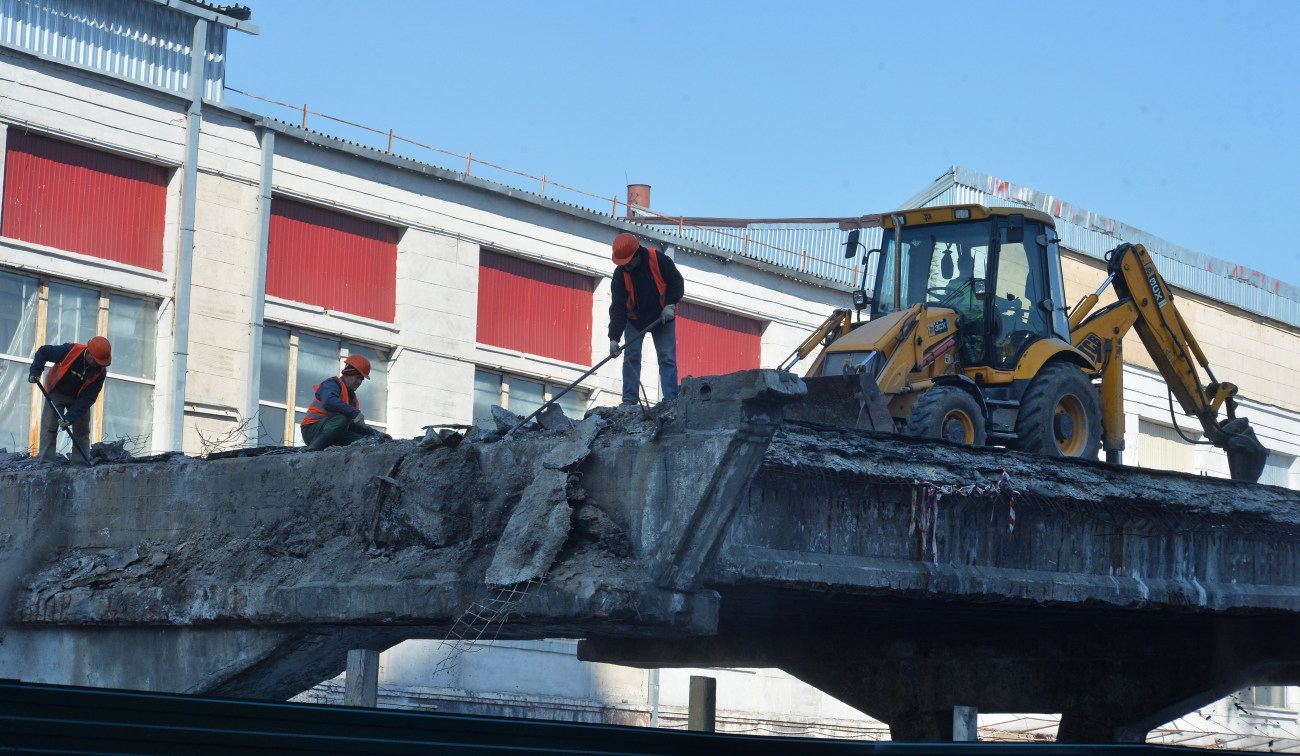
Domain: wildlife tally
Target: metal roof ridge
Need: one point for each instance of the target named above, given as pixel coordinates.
(961, 176)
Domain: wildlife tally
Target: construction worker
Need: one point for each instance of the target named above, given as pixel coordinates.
(334, 417)
(646, 290)
(73, 385)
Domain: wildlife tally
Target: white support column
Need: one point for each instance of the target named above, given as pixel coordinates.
(965, 723)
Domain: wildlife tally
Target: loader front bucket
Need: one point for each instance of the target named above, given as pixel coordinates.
(849, 401)
(1246, 455)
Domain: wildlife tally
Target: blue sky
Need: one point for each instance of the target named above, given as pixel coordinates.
(1178, 118)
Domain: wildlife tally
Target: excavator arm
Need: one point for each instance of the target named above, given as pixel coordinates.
(1147, 305)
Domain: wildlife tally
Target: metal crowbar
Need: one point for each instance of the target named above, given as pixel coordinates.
(582, 377)
(84, 454)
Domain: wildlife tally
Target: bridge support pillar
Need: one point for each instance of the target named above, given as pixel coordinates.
(361, 686)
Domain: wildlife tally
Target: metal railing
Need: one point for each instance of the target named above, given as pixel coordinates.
(745, 246)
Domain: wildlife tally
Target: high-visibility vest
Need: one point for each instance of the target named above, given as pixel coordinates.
(659, 284)
(316, 412)
(53, 377)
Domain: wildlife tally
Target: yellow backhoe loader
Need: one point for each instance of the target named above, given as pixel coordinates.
(970, 340)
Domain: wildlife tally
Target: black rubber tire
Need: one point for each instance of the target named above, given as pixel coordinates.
(948, 413)
(1059, 388)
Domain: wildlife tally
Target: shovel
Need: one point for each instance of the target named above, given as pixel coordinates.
(84, 455)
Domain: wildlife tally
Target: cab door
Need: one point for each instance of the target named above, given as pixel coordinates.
(1019, 304)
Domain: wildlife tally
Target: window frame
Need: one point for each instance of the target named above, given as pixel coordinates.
(40, 336)
(549, 389)
(290, 408)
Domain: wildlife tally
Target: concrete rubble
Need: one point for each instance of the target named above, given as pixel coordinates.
(708, 531)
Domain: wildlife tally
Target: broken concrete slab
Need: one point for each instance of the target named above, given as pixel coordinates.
(552, 418)
(717, 521)
(539, 524)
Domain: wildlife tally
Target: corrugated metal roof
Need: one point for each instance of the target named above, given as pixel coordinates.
(813, 246)
(1094, 235)
(138, 41)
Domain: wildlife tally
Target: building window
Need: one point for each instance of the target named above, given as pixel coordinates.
(294, 362)
(1277, 470)
(37, 311)
(1270, 696)
(534, 308)
(1161, 448)
(332, 260)
(82, 200)
(713, 342)
(521, 396)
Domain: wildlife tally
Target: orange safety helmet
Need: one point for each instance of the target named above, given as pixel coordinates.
(625, 245)
(359, 364)
(100, 351)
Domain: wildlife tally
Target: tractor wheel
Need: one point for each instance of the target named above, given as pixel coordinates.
(1060, 415)
(948, 413)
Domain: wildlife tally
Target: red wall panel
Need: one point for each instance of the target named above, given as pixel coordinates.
(534, 308)
(332, 260)
(712, 342)
(82, 200)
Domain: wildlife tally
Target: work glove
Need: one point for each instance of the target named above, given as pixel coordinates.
(613, 348)
(64, 424)
(33, 377)
(670, 312)
(359, 420)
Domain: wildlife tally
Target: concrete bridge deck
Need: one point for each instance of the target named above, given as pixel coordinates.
(881, 569)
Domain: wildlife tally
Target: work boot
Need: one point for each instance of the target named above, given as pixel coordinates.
(319, 443)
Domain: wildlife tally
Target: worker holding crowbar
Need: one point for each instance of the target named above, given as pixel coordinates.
(70, 389)
(646, 289)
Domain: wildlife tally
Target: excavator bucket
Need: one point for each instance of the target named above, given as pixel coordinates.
(1246, 455)
(852, 401)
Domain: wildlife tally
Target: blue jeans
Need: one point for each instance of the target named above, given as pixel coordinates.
(665, 337)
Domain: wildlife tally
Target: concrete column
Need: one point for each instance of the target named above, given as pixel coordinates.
(361, 687)
(965, 723)
(702, 714)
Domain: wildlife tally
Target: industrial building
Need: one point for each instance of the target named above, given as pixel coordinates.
(202, 240)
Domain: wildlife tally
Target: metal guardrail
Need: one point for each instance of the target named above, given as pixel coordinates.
(56, 719)
(761, 250)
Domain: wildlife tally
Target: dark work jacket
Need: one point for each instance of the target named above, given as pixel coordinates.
(647, 294)
(330, 395)
(73, 380)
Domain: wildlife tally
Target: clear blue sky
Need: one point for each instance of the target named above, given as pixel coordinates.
(1179, 118)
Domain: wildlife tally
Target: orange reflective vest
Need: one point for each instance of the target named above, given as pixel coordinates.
(659, 284)
(316, 412)
(53, 377)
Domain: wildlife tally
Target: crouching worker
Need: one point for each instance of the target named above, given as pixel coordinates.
(73, 386)
(334, 417)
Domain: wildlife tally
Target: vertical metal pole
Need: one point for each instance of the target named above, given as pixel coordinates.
(654, 698)
(469, 161)
(390, 141)
(304, 115)
(898, 261)
(361, 685)
(258, 288)
(702, 712)
(185, 261)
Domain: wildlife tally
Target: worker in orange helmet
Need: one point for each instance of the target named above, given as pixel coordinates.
(334, 417)
(73, 385)
(646, 290)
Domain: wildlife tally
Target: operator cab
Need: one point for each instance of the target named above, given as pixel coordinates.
(999, 268)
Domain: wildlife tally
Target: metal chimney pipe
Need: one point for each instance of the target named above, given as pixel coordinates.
(638, 195)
